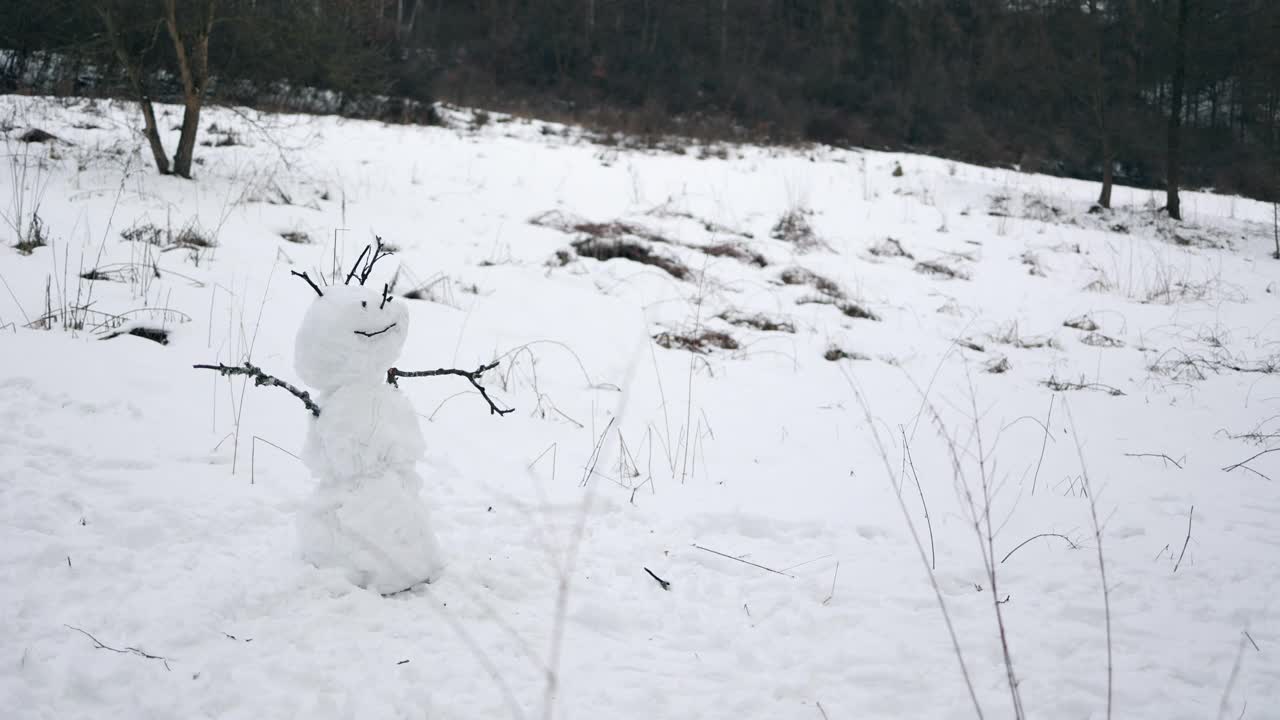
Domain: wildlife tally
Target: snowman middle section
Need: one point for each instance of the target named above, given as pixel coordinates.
(366, 516)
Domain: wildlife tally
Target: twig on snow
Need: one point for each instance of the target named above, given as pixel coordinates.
(260, 378)
(1166, 458)
(665, 585)
(1187, 540)
(394, 374)
(744, 562)
(1244, 463)
(915, 536)
(1097, 537)
(1251, 641)
(1033, 537)
(906, 451)
(834, 575)
(129, 650)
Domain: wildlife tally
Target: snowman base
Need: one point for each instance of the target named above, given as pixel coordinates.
(380, 541)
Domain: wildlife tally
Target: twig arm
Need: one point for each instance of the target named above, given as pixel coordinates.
(473, 376)
(260, 378)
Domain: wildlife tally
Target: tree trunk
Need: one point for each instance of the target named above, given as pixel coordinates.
(1100, 107)
(1108, 172)
(187, 140)
(1175, 114)
(152, 131)
(193, 68)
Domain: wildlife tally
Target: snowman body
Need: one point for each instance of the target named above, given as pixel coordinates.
(366, 516)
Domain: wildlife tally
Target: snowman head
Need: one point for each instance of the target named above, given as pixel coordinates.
(351, 334)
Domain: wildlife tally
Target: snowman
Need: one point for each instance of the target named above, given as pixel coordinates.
(365, 517)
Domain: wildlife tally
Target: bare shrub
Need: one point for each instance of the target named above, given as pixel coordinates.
(937, 268)
(1009, 335)
(998, 366)
(144, 232)
(794, 228)
(803, 276)
(758, 321)
(606, 249)
(835, 353)
(737, 252)
(890, 247)
(1099, 340)
(700, 342)
(1084, 322)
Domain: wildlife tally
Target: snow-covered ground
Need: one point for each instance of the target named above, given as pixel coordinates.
(147, 544)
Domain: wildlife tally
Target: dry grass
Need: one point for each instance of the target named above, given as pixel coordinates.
(835, 353)
(937, 268)
(700, 342)
(605, 249)
(758, 321)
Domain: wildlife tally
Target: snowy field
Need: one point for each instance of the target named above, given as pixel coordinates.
(727, 404)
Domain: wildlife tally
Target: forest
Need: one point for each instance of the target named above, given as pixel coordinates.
(1143, 92)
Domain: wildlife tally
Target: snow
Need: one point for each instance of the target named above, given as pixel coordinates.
(155, 507)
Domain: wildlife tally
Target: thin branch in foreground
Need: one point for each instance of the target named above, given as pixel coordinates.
(129, 650)
(260, 378)
(906, 450)
(1033, 537)
(310, 282)
(394, 374)
(1166, 458)
(744, 562)
(915, 536)
(1187, 540)
(1102, 568)
(1044, 442)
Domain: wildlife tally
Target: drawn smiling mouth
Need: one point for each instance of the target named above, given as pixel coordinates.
(379, 332)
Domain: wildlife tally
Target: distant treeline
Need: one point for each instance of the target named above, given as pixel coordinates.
(1055, 86)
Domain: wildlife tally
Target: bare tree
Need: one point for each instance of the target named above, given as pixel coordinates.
(134, 67)
(133, 45)
(1173, 159)
(193, 67)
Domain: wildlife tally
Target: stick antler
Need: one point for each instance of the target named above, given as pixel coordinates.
(368, 257)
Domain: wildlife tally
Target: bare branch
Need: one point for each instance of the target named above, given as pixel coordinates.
(394, 374)
(129, 650)
(260, 378)
(744, 562)
(1157, 455)
(1244, 463)
(665, 585)
(1033, 537)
